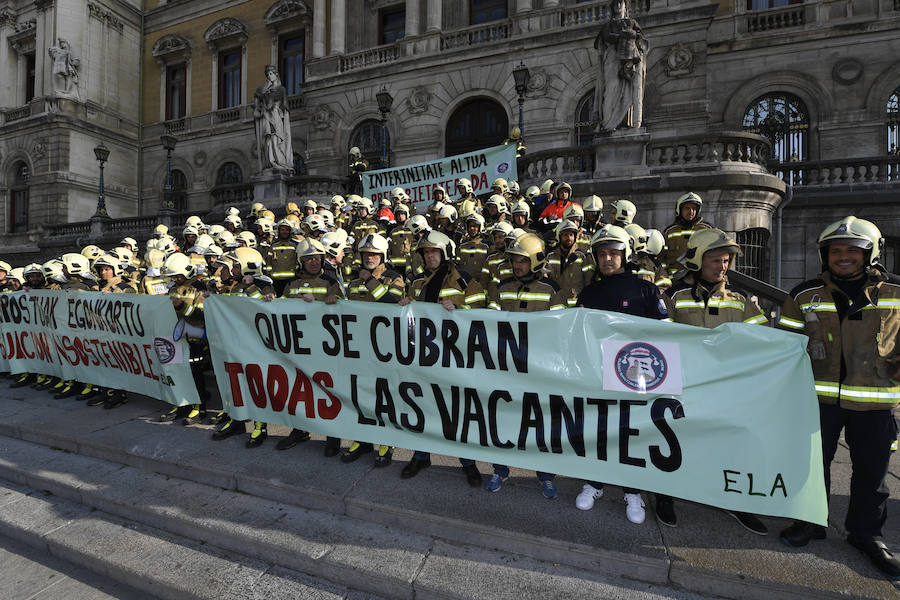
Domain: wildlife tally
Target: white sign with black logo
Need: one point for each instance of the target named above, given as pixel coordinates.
(643, 367)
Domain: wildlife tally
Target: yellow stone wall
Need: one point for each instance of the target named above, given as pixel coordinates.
(259, 54)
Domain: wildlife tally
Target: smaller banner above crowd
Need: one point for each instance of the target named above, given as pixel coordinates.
(117, 341)
(480, 167)
(726, 417)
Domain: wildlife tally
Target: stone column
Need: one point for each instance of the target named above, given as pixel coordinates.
(412, 18)
(338, 26)
(434, 15)
(523, 6)
(318, 46)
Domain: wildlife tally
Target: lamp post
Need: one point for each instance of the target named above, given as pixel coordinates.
(521, 75)
(101, 152)
(385, 100)
(168, 141)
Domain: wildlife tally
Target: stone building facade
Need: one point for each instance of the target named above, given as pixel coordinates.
(782, 114)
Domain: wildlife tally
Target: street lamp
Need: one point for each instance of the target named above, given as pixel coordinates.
(385, 100)
(521, 75)
(168, 141)
(101, 152)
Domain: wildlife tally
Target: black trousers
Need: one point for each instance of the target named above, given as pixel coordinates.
(869, 435)
(200, 364)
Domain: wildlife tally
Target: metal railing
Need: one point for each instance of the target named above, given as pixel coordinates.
(684, 152)
(877, 169)
(781, 18)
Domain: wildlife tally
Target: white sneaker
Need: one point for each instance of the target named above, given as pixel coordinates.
(589, 494)
(635, 508)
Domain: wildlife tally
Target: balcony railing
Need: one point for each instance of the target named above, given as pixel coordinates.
(571, 163)
(480, 34)
(687, 152)
(781, 18)
(878, 169)
(371, 57)
(232, 194)
(68, 229)
(18, 113)
(316, 186)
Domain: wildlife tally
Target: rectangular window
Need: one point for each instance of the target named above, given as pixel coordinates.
(485, 11)
(176, 92)
(29, 76)
(393, 24)
(291, 62)
(19, 211)
(230, 78)
(767, 4)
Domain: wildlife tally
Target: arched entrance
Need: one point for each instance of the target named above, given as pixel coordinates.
(478, 123)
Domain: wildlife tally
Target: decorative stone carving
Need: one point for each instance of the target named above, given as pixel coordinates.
(619, 92)
(39, 149)
(7, 18)
(100, 12)
(323, 118)
(225, 31)
(199, 158)
(679, 60)
(171, 48)
(419, 100)
(285, 10)
(538, 82)
(847, 71)
(23, 40)
(273, 125)
(65, 70)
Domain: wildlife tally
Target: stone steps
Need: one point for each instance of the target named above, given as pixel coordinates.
(217, 492)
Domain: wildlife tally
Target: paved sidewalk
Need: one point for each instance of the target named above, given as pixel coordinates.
(708, 553)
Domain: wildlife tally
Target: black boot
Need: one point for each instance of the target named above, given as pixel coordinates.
(800, 533)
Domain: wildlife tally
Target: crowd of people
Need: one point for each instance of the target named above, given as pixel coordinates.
(521, 252)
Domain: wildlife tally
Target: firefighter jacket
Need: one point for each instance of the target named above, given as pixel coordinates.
(554, 210)
(694, 302)
(568, 271)
(448, 283)
(677, 235)
(649, 269)
(529, 294)
(335, 271)
(76, 283)
(851, 340)
(490, 270)
(363, 227)
(624, 293)
(319, 286)
(118, 285)
(281, 262)
(256, 289)
(385, 285)
(191, 295)
(400, 246)
(472, 255)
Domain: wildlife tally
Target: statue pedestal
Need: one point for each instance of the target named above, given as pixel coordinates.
(270, 188)
(621, 152)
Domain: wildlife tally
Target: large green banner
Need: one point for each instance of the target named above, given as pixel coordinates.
(118, 341)
(726, 417)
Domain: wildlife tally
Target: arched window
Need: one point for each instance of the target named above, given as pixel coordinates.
(783, 119)
(477, 124)
(229, 173)
(584, 125)
(179, 190)
(18, 196)
(299, 164)
(368, 138)
(893, 121)
(230, 186)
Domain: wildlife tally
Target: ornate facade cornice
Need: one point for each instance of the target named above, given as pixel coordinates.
(101, 13)
(225, 32)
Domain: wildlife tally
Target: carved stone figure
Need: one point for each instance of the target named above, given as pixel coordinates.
(619, 93)
(65, 70)
(273, 125)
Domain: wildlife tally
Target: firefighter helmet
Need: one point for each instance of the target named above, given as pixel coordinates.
(614, 237)
(466, 185)
(417, 224)
(514, 189)
(373, 243)
(355, 153)
(574, 211)
(108, 260)
(257, 208)
(448, 212)
(520, 207)
(638, 237)
(530, 246)
(178, 264)
(545, 187)
(436, 239)
(308, 248)
(500, 186)
(625, 211)
(333, 242)
(566, 225)
(234, 220)
(247, 238)
(130, 242)
(592, 204)
(194, 221)
(160, 230)
(52, 269)
(689, 197)
(477, 218)
(32, 268)
(702, 242)
(91, 252)
(398, 194)
(855, 232)
(251, 261)
(531, 193)
(189, 230)
(656, 243)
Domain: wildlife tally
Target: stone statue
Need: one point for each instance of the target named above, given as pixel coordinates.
(273, 125)
(65, 70)
(619, 93)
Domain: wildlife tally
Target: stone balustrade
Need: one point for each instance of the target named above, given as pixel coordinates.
(316, 186)
(688, 152)
(878, 169)
(371, 57)
(780, 18)
(494, 31)
(570, 163)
